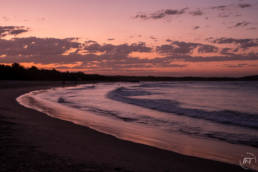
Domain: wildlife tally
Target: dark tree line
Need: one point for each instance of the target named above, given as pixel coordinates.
(18, 72)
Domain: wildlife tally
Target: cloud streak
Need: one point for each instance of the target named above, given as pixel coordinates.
(241, 24)
(186, 48)
(244, 5)
(161, 14)
(12, 30)
(223, 11)
(241, 43)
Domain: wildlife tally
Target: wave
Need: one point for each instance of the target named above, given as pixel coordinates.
(168, 125)
(83, 88)
(236, 118)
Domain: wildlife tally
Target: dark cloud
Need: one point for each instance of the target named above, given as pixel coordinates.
(241, 24)
(229, 10)
(197, 12)
(142, 16)
(122, 49)
(223, 11)
(240, 57)
(94, 47)
(226, 51)
(220, 7)
(110, 39)
(157, 15)
(161, 14)
(225, 7)
(90, 42)
(226, 11)
(32, 46)
(175, 12)
(205, 48)
(177, 47)
(12, 30)
(242, 43)
(196, 27)
(244, 5)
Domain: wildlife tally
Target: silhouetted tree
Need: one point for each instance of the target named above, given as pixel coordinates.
(18, 72)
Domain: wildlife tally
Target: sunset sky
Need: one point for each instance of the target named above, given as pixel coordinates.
(132, 37)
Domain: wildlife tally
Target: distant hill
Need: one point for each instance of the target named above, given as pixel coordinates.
(18, 72)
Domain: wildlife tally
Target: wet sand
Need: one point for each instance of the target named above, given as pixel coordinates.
(33, 141)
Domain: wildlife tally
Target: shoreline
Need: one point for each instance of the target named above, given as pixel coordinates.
(62, 145)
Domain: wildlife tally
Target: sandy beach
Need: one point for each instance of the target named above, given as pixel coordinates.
(33, 141)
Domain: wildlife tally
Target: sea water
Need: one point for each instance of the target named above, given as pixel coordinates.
(213, 120)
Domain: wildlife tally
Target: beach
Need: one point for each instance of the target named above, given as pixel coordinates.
(33, 141)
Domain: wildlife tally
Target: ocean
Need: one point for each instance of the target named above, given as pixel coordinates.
(212, 120)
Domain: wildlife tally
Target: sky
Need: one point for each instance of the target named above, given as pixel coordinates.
(132, 37)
